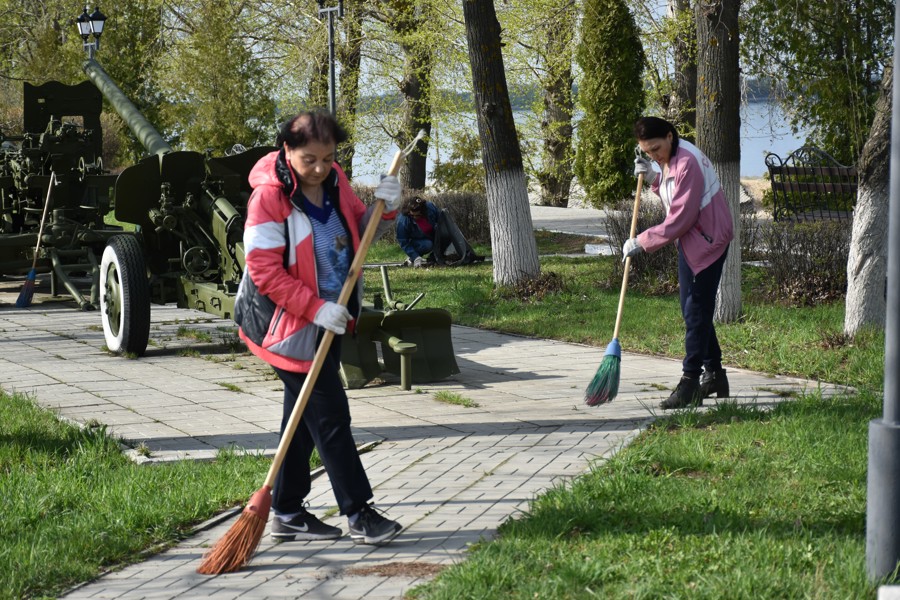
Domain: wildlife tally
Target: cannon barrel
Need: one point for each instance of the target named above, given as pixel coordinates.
(149, 137)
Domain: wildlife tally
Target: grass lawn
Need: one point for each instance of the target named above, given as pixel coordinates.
(734, 503)
(74, 504)
(804, 342)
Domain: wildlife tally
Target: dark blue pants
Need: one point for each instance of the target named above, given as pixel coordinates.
(325, 425)
(698, 307)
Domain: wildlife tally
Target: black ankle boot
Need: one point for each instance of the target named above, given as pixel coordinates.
(687, 393)
(714, 382)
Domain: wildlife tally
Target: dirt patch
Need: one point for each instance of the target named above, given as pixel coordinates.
(399, 569)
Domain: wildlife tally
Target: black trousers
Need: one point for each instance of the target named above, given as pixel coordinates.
(698, 307)
(325, 425)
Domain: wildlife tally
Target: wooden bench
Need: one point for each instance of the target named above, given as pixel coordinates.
(810, 185)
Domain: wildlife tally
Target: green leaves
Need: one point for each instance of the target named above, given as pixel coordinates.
(612, 97)
(827, 59)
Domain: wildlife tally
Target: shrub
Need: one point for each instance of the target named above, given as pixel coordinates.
(656, 273)
(807, 261)
(752, 231)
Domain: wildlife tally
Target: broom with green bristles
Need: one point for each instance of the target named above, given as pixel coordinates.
(605, 384)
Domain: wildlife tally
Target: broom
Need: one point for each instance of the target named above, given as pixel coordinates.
(237, 546)
(27, 293)
(605, 384)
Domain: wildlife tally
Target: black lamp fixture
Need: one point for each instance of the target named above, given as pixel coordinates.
(88, 25)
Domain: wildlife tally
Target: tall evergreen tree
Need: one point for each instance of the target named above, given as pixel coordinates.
(612, 96)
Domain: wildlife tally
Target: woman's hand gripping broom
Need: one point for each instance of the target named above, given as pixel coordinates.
(237, 546)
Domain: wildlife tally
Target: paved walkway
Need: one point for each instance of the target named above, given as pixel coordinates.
(449, 474)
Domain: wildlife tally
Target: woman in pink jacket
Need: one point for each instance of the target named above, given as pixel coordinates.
(698, 222)
(302, 229)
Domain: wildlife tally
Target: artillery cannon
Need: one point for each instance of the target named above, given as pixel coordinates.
(187, 209)
(62, 135)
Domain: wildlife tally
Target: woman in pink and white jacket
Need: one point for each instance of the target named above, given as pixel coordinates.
(699, 222)
(302, 229)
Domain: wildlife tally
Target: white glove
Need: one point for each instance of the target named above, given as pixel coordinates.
(333, 316)
(390, 191)
(643, 166)
(630, 248)
(420, 262)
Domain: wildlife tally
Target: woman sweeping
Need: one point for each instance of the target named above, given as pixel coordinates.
(303, 226)
(698, 221)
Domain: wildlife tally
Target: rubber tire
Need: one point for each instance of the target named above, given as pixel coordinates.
(125, 296)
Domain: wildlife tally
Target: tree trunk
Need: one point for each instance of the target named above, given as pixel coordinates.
(681, 110)
(866, 304)
(556, 171)
(513, 246)
(408, 20)
(350, 55)
(719, 125)
(416, 87)
(318, 81)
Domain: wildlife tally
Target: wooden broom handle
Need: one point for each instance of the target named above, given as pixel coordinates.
(37, 247)
(634, 220)
(328, 336)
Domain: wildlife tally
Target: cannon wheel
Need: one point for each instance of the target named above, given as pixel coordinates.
(125, 296)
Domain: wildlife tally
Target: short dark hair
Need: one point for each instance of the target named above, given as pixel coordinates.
(312, 125)
(648, 128)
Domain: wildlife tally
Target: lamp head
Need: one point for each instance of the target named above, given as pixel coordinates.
(84, 24)
(98, 20)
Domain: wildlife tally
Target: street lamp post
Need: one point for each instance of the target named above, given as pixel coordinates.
(88, 25)
(883, 485)
(331, 11)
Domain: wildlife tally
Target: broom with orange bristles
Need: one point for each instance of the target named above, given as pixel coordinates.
(237, 546)
(605, 384)
(27, 293)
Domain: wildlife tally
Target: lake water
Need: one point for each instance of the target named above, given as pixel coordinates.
(764, 128)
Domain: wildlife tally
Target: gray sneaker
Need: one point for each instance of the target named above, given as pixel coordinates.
(303, 527)
(373, 528)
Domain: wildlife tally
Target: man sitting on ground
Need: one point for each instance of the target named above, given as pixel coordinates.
(426, 232)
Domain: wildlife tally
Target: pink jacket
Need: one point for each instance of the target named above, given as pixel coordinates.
(698, 216)
(289, 343)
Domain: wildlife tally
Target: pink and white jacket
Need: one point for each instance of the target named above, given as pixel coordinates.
(698, 216)
(288, 276)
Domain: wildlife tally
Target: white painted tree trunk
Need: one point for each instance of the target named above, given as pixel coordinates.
(719, 126)
(728, 299)
(513, 247)
(866, 304)
(867, 262)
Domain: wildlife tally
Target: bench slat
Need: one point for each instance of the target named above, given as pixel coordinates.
(818, 187)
